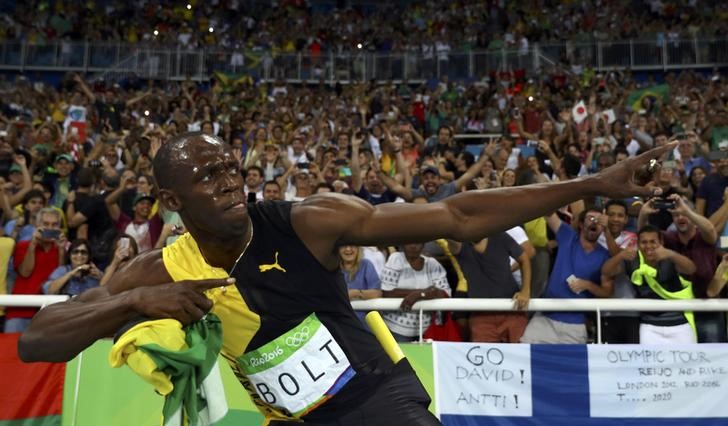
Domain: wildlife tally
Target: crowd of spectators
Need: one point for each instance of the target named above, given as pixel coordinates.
(78, 194)
(429, 27)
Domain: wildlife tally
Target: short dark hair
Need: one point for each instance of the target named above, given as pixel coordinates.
(168, 158)
(586, 211)
(619, 203)
(272, 182)
(77, 243)
(259, 169)
(85, 177)
(648, 229)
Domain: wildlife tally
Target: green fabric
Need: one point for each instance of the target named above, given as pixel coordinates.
(720, 134)
(647, 273)
(188, 368)
(634, 99)
(54, 420)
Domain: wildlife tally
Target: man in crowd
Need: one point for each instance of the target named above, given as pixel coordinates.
(694, 237)
(486, 266)
(34, 261)
(576, 274)
(270, 246)
(657, 273)
(410, 275)
(619, 326)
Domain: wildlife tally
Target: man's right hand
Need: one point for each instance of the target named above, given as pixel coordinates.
(184, 301)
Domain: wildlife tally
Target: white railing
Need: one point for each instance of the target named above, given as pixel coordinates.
(116, 60)
(499, 305)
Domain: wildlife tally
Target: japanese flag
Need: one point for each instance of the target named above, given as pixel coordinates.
(579, 112)
(609, 116)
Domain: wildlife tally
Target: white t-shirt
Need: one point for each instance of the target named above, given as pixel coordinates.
(520, 237)
(399, 274)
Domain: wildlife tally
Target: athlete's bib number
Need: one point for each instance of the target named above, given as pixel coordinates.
(300, 369)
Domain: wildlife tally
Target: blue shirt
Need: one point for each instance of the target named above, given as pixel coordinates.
(25, 233)
(74, 286)
(366, 278)
(572, 259)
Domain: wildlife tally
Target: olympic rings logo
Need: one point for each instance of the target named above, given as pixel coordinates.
(298, 338)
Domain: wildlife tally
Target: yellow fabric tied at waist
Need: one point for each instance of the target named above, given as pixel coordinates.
(646, 273)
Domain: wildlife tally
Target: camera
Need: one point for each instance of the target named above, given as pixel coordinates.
(663, 204)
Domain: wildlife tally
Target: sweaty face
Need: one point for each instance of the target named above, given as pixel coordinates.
(208, 187)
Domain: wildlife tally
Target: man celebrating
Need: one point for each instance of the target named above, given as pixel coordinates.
(657, 273)
(284, 262)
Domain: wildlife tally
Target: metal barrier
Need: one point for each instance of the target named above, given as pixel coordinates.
(121, 60)
(501, 305)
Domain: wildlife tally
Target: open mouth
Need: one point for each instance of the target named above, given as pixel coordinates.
(237, 205)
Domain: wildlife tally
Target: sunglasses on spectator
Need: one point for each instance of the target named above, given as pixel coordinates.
(80, 251)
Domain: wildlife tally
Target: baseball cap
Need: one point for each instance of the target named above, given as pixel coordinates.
(142, 196)
(66, 157)
(431, 169)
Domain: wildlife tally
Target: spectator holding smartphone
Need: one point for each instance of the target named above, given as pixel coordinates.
(77, 275)
(125, 249)
(34, 262)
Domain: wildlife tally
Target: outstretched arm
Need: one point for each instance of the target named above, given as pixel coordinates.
(323, 222)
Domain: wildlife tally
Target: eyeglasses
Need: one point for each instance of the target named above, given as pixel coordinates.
(79, 251)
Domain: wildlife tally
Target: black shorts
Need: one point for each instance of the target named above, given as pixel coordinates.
(398, 400)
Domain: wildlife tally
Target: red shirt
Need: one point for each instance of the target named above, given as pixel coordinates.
(704, 256)
(45, 263)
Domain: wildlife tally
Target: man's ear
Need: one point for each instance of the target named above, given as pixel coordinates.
(170, 200)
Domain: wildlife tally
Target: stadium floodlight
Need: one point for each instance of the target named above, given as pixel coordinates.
(211, 29)
(359, 45)
(156, 33)
(189, 6)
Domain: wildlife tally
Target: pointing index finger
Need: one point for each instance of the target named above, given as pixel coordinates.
(654, 153)
(202, 285)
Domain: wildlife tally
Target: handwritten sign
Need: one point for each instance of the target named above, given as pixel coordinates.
(482, 379)
(658, 381)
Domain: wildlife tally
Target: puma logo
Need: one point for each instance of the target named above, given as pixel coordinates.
(266, 268)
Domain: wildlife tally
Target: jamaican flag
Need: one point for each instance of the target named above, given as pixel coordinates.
(634, 100)
(229, 83)
(181, 364)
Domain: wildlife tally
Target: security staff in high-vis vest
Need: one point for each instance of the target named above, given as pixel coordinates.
(658, 273)
(269, 272)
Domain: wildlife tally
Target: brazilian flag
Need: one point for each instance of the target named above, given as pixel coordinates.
(634, 100)
(229, 82)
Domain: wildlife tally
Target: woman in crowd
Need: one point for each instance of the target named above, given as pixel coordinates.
(77, 275)
(125, 249)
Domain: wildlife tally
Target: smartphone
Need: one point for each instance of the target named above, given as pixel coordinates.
(345, 172)
(663, 204)
(681, 136)
(302, 165)
(252, 197)
(531, 142)
(50, 234)
(340, 162)
(124, 243)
